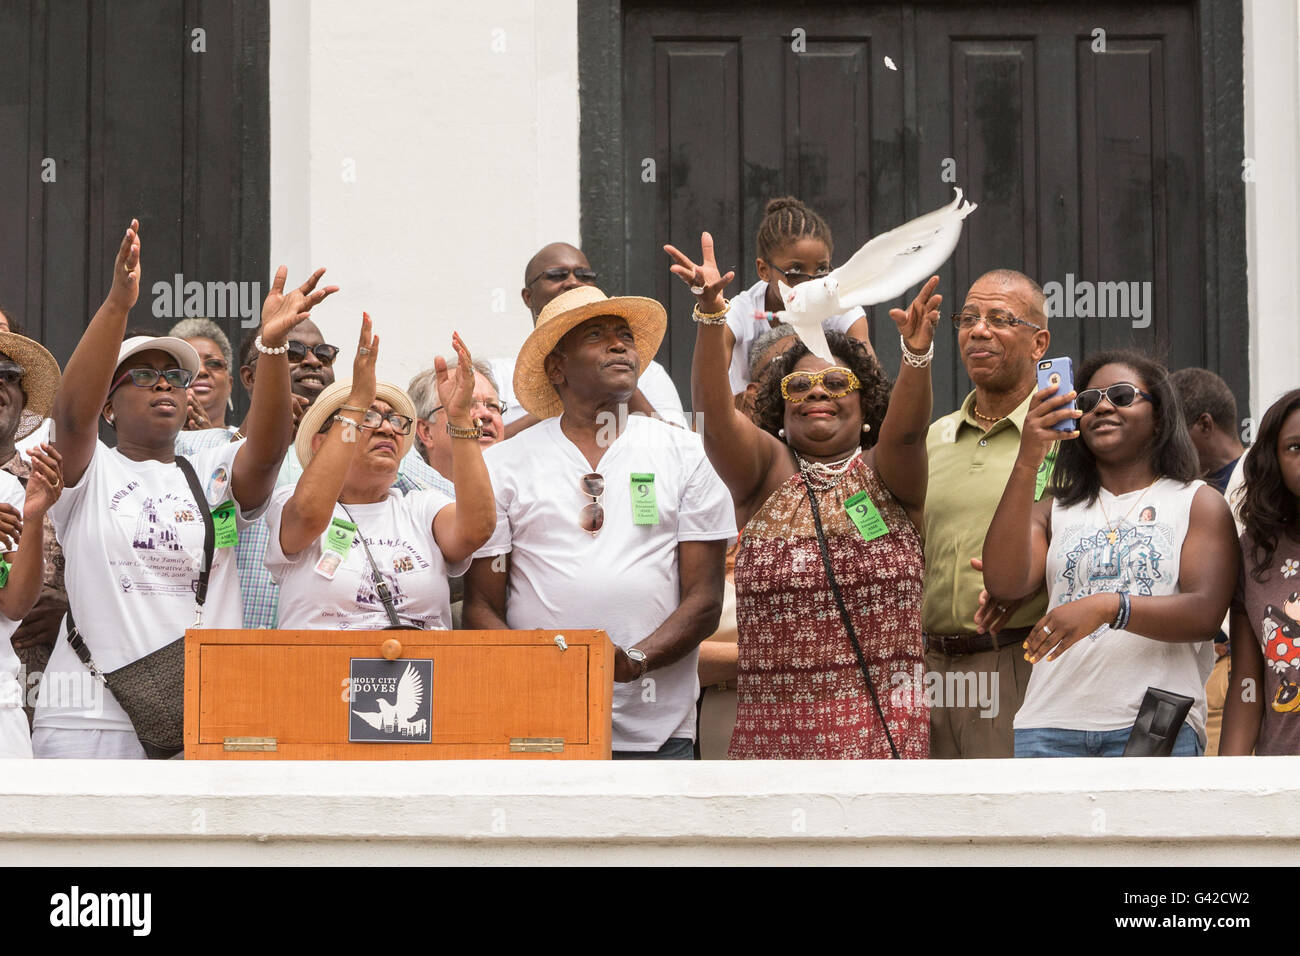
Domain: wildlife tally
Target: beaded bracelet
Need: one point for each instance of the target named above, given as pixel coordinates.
(340, 418)
(711, 318)
(267, 350)
(911, 358)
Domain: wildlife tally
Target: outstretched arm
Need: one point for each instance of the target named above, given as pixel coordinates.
(740, 452)
(308, 512)
(269, 424)
(89, 372)
(464, 526)
(21, 591)
(900, 456)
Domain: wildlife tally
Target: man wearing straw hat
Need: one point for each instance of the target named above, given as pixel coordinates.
(29, 377)
(606, 520)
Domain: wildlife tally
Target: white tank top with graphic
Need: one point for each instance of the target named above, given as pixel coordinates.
(1132, 543)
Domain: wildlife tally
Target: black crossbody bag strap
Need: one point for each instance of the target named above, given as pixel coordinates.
(78, 643)
(844, 615)
(381, 586)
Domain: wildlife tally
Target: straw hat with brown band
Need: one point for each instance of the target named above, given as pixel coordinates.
(40, 379)
(565, 312)
(329, 401)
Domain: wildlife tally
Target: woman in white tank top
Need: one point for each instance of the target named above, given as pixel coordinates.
(1138, 557)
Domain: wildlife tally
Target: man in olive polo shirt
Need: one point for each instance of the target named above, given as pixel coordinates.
(1001, 334)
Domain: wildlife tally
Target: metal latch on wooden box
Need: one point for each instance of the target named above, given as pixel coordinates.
(250, 743)
(537, 745)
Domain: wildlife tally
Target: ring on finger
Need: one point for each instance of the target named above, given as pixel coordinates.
(697, 290)
(363, 351)
(1047, 630)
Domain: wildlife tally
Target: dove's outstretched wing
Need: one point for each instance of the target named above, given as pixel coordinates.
(806, 323)
(904, 257)
(375, 720)
(410, 694)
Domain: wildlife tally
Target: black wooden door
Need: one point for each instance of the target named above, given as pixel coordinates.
(1090, 165)
(117, 108)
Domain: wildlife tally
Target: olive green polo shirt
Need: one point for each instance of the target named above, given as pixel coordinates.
(969, 468)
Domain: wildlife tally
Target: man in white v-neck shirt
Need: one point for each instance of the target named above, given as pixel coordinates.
(608, 521)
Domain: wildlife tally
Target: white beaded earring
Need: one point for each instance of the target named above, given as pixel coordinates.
(866, 426)
(780, 432)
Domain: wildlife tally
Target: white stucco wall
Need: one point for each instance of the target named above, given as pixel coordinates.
(1272, 102)
(1144, 811)
(460, 125)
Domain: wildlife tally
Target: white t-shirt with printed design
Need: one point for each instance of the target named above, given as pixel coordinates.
(399, 532)
(132, 538)
(624, 580)
(1099, 685)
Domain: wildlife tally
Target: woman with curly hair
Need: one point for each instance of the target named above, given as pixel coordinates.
(829, 486)
(1266, 609)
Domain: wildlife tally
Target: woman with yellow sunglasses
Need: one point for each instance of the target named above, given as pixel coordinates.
(828, 484)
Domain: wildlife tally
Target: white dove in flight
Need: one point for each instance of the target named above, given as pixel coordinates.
(410, 694)
(883, 269)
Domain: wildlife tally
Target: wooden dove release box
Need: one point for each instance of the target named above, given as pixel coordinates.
(397, 695)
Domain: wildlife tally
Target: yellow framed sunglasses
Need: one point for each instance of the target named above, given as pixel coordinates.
(838, 382)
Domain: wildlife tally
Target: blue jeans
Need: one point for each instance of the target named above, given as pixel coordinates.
(675, 748)
(1053, 742)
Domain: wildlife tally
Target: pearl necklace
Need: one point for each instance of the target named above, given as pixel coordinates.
(822, 476)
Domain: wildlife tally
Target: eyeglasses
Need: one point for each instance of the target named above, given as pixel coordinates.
(373, 418)
(1120, 395)
(11, 373)
(995, 320)
(215, 364)
(495, 407)
(838, 382)
(324, 353)
(560, 273)
(794, 278)
(148, 377)
(592, 516)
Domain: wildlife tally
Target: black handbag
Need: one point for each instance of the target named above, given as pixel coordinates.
(152, 689)
(844, 615)
(381, 586)
(1160, 718)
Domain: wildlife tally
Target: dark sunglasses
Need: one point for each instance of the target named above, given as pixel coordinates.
(793, 277)
(11, 373)
(1120, 395)
(592, 516)
(148, 377)
(559, 274)
(324, 353)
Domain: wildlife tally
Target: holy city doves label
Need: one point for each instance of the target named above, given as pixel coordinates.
(391, 701)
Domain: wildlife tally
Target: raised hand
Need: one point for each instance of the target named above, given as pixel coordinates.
(456, 395)
(918, 323)
(283, 311)
(45, 483)
(126, 270)
(704, 277)
(11, 527)
(363, 366)
(1046, 408)
(196, 419)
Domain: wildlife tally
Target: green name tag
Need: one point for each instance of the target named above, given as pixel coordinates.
(339, 537)
(4, 572)
(1045, 472)
(223, 523)
(862, 512)
(645, 508)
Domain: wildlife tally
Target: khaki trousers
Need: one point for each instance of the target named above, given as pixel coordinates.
(972, 730)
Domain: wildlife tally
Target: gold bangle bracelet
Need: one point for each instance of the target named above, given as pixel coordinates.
(353, 408)
(462, 431)
(711, 318)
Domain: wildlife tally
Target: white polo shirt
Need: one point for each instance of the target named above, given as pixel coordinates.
(655, 384)
(623, 581)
